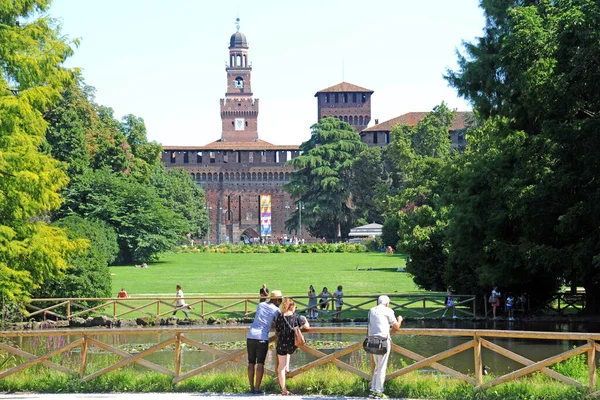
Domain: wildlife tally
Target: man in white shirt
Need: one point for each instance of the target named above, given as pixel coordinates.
(257, 341)
(381, 320)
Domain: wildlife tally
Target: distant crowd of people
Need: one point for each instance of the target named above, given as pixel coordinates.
(316, 302)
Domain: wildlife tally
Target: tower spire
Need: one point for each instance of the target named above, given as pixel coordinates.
(237, 23)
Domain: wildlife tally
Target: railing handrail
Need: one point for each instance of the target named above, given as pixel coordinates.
(253, 297)
(344, 330)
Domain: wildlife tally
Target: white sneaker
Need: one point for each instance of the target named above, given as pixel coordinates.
(454, 317)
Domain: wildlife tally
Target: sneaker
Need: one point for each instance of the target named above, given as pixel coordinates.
(454, 317)
(376, 395)
(258, 392)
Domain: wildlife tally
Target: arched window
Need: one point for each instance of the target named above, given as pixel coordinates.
(360, 120)
(204, 176)
(239, 82)
(237, 176)
(281, 176)
(356, 120)
(245, 61)
(238, 61)
(287, 176)
(193, 176)
(254, 176)
(270, 176)
(264, 176)
(243, 176)
(210, 176)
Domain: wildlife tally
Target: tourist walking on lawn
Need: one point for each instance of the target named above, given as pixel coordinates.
(381, 321)
(257, 341)
(285, 324)
(312, 303)
(180, 303)
(495, 300)
(324, 295)
(338, 295)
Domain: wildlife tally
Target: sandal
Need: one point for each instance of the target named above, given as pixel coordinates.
(286, 393)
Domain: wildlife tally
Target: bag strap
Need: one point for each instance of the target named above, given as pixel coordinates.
(286, 321)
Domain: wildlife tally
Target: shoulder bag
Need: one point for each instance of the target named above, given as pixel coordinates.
(374, 344)
(298, 336)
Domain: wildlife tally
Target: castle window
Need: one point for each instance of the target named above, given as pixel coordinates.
(237, 157)
(199, 157)
(375, 137)
(344, 97)
(326, 97)
(387, 137)
(225, 157)
(250, 156)
(354, 97)
(186, 157)
(360, 120)
(336, 98)
(173, 157)
(212, 157)
(364, 97)
(277, 157)
(239, 83)
(246, 123)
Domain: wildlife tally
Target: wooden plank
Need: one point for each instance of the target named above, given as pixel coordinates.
(47, 309)
(439, 367)
(83, 357)
(39, 360)
(533, 367)
(128, 360)
(120, 353)
(591, 358)
(132, 308)
(525, 361)
(178, 337)
(430, 360)
(29, 356)
(477, 362)
(209, 366)
(336, 362)
(91, 309)
(327, 358)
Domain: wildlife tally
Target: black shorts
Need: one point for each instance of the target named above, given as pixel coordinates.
(257, 350)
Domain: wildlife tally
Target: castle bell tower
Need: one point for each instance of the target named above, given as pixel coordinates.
(239, 111)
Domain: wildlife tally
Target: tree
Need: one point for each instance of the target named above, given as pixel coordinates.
(367, 174)
(182, 194)
(322, 178)
(88, 274)
(32, 51)
(536, 68)
(144, 225)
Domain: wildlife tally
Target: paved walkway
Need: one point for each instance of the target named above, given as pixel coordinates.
(159, 396)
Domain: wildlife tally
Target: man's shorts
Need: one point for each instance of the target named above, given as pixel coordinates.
(257, 350)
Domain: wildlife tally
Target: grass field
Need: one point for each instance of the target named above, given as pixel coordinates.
(243, 274)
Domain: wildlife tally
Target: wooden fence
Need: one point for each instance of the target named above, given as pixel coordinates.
(421, 306)
(80, 342)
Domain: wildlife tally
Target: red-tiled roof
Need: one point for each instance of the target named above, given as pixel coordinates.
(218, 145)
(462, 120)
(344, 87)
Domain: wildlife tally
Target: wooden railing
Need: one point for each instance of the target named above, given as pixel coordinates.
(409, 305)
(81, 342)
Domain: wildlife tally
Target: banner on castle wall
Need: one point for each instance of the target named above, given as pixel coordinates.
(265, 215)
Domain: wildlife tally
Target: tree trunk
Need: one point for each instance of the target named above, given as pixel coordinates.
(339, 231)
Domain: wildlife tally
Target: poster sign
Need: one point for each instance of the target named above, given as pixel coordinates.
(265, 215)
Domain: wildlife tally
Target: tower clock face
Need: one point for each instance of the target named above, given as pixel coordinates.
(239, 124)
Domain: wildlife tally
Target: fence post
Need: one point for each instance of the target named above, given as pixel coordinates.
(591, 358)
(424, 306)
(178, 355)
(246, 308)
(474, 306)
(157, 308)
(114, 309)
(485, 304)
(68, 310)
(83, 357)
(478, 366)
(202, 308)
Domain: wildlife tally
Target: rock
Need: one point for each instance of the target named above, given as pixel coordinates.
(127, 323)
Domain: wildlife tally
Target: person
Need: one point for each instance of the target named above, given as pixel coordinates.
(122, 294)
(497, 295)
(522, 302)
(180, 303)
(324, 295)
(264, 292)
(338, 295)
(510, 306)
(312, 303)
(449, 304)
(284, 325)
(257, 340)
(381, 320)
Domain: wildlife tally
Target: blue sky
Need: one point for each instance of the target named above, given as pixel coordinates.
(165, 61)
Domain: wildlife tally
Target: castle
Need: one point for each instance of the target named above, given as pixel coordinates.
(242, 175)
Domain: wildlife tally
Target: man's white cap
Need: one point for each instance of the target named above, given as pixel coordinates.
(383, 299)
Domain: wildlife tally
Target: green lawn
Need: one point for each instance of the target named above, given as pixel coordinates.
(243, 274)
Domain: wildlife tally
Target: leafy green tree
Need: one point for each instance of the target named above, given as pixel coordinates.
(536, 67)
(32, 52)
(182, 195)
(322, 177)
(367, 174)
(144, 225)
(418, 157)
(146, 154)
(88, 274)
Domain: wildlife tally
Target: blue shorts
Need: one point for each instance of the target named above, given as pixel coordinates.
(509, 307)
